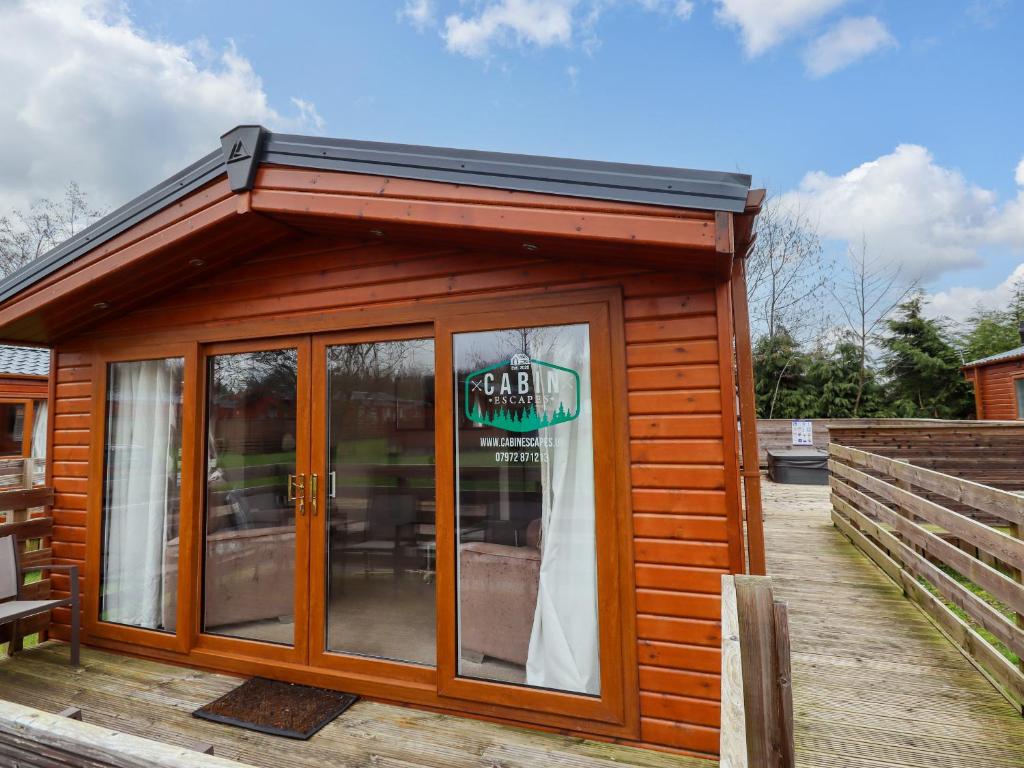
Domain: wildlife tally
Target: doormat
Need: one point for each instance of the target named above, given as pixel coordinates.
(280, 709)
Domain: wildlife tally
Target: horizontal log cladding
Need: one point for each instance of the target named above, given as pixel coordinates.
(676, 449)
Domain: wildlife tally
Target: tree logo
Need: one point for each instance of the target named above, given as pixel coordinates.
(522, 394)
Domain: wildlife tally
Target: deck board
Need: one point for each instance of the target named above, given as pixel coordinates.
(155, 701)
(874, 683)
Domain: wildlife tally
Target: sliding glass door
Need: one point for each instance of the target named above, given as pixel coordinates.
(343, 530)
(374, 559)
(255, 531)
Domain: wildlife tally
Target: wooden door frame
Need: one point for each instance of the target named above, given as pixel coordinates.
(297, 653)
(179, 640)
(617, 704)
(319, 656)
(392, 681)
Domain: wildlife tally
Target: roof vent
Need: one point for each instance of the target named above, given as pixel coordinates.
(241, 149)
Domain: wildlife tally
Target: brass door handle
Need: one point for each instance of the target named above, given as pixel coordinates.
(313, 488)
(297, 491)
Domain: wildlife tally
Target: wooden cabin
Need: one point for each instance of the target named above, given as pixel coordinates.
(998, 382)
(447, 428)
(24, 390)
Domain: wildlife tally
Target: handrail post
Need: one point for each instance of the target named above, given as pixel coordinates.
(1018, 576)
(757, 704)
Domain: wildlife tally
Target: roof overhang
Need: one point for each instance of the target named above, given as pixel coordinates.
(1012, 356)
(262, 189)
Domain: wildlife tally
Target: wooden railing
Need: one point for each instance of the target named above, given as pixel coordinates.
(24, 513)
(30, 738)
(964, 573)
(987, 452)
(757, 697)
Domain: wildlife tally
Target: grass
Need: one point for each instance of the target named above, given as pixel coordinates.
(966, 618)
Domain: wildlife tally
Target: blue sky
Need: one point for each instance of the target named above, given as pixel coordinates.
(909, 122)
(654, 89)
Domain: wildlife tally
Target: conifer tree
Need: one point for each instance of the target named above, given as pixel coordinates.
(922, 367)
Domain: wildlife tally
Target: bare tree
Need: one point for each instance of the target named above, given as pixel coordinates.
(787, 273)
(27, 235)
(868, 293)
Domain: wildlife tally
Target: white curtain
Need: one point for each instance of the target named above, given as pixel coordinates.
(143, 400)
(39, 430)
(39, 440)
(564, 651)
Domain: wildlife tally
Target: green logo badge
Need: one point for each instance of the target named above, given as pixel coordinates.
(522, 394)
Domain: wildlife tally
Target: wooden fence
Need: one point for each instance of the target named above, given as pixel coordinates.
(778, 433)
(24, 514)
(30, 738)
(987, 452)
(757, 698)
(963, 572)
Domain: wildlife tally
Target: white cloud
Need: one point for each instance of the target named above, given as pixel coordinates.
(420, 13)
(681, 8)
(848, 41)
(960, 301)
(1019, 175)
(537, 23)
(764, 24)
(87, 96)
(911, 210)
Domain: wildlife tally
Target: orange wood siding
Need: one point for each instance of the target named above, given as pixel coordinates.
(70, 425)
(998, 397)
(24, 386)
(679, 508)
(678, 462)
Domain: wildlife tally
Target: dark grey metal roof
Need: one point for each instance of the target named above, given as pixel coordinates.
(245, 147)
(1010, 354)
(24, 361)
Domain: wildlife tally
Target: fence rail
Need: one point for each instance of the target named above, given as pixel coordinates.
(757, 697)
(952, 544)
(24, 514)
(31, 738)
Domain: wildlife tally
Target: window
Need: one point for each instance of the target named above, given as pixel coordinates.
(526, 556)
(141, 493)
(12, 428)
(1019, 383)
(252, 433)
(381, 549)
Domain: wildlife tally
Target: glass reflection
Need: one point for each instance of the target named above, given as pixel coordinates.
(249, 573)
(380, 487)
(527, 573)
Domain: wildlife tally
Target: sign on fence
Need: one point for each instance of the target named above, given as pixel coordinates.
(803, 432)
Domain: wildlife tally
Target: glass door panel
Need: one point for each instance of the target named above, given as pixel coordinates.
(525, 506)
(254, 487)
(379, 553)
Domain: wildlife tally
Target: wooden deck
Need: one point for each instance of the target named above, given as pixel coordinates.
(874, 683)
(155, 701)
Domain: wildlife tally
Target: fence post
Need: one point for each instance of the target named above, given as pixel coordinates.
(733, 733)
(1015, 531)
(785, 684)
(755, 608)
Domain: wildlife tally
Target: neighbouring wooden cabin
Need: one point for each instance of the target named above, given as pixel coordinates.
(24, 390)
(447, 428)
(999, 383)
